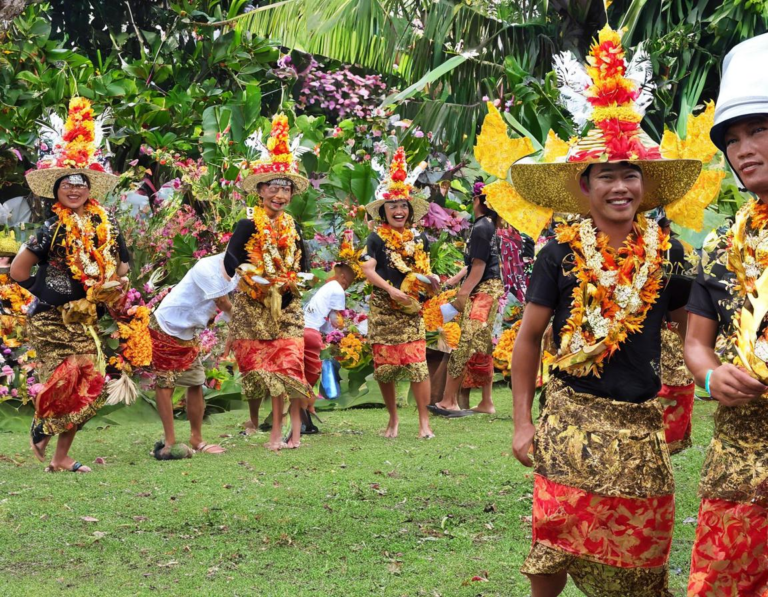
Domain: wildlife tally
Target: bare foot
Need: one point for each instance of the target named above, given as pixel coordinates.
(207, 448)
(426, 433)
(291, 444)
(39, 448)
(487, 410)
(275, 446)
(391, 431)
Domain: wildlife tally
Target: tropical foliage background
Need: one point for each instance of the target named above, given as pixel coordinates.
(187, 81)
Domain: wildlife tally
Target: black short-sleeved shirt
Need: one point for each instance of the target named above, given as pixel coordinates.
(54, 284)
(483, 244)
(376, 248)
(236, 254)
(632, 374)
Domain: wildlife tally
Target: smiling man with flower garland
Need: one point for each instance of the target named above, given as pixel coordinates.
(603, 502)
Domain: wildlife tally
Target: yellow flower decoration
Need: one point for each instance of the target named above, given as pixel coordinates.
(138, 346)
(555, 148)
(451, 334)
(523, 215)
(502, 354)
(433, 317)
(688, 211)
(495, 151)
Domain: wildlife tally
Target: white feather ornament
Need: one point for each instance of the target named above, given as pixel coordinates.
(573, 82)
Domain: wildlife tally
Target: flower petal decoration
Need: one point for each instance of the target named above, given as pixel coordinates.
(495, 151)
(554, 148)
(697, 144)
(523, 215)
(688, 211)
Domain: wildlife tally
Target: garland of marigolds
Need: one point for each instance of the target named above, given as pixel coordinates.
(274, 245)
(747, 259)
(91, 264)
(615, 291)
(404, 246)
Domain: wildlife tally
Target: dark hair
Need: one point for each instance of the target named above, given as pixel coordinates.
(57, 184)
(383, 213)
(347, 268)
(488, 211)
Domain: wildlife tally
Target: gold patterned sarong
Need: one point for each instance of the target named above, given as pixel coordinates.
(269, 352)
(398, 340)
(477, 326)
(603, 494)
(67, 367)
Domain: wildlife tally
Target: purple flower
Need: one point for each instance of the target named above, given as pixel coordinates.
(334, 337)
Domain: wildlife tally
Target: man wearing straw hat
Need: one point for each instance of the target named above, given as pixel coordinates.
(603, 498)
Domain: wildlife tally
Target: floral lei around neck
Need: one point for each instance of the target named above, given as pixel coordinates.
(404, 250)
(748, 242)
(273, 247)
(615, 291)
(91, 264)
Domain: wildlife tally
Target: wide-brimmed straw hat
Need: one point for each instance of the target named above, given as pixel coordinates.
(277, 159)
(743, 86)
(610, 96)
(397, 185)
(72, 147)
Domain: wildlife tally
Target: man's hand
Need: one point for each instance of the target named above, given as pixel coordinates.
(399, 296)
(522, 440)
(435, 279)
(732, 386)
(460, 302)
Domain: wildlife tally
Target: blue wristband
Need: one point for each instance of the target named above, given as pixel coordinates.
(706, 381)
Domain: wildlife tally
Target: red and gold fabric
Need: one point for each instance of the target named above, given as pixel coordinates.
(730, 552)
(603, 503)
(73, 387)
(478, 372)
(269, 352)
(677, 392)
(477, 327)
(398, 341)
(173, 357)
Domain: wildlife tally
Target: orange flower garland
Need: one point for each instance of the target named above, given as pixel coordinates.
(616, 290)
(405, 247)
(451, 332)
(746, 236)
(91, 264)
(138, 345)
(502, 354)
(433, 317)
(350, 351)
(273, 247)
(18, 297)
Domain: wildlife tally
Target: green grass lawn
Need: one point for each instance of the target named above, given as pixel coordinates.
(350, 513)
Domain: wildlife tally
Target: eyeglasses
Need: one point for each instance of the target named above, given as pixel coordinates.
(69, 187)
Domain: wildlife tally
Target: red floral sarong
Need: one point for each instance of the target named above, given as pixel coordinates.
(617, 531)
(730, 553)
(479, 371)
(74, 385)
(284, 355)
(677, 416)
(399, 355)
(171, 354)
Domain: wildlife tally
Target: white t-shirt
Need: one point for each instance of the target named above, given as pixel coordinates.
(189, 306)
(329, 297)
